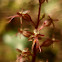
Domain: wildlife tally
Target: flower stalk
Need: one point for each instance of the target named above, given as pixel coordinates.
(38, 20)
(34, 53)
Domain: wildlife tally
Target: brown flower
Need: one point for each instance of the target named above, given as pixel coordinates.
(25, 32)
(23, 54)
(24, 15)
(48, 42)
(48, 22)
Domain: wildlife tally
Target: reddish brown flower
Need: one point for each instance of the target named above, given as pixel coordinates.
(48, 42)
(25, 33)
(48, 22)
(37, 44)
(23, 54)
(24, 16)
(19, 14)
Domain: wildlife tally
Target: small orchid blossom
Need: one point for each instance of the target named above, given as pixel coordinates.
(37, 44)
(49, 42)
(23, 15)
(23, 54)
(48, 22)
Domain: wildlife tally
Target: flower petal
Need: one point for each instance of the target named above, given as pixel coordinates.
(12, 17)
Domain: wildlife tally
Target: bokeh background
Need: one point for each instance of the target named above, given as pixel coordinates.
(8, 39)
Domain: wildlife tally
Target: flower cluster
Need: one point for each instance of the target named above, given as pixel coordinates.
(35, 35)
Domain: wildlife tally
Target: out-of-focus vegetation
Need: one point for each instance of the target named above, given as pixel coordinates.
(8, 39)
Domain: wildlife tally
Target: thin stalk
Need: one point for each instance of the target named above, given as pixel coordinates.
(38, 20)
(21, 22)
(34, 53)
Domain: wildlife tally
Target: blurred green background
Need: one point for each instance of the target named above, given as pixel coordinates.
(8, 39)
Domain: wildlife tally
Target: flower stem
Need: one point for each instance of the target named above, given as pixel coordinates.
(38, 20)
(34, 53)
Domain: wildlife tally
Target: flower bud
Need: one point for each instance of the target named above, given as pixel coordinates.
(47, 22)
(27, 33)
(42, 1)
(26, 17)
(47, 43)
